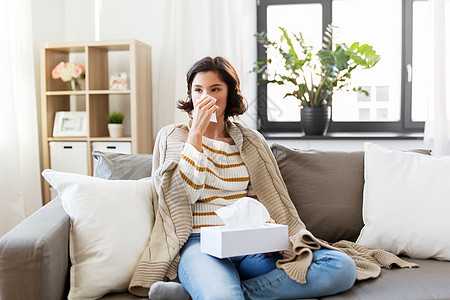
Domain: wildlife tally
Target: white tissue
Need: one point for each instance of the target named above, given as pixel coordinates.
(213, 116)
(244, 213)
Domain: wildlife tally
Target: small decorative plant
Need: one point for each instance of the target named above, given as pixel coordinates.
(313, 77)
(115, 118)
(115, 126)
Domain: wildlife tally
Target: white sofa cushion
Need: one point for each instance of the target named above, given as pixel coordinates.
(406, 203)
(111, 221)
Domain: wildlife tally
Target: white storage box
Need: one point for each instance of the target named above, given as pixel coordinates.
(221, 241)
(69, 157)
(116, 147)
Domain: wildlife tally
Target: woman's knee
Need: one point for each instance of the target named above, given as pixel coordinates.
(332, 271)
(220, 294)
(345, 269)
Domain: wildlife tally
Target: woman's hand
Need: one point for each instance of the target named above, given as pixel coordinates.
(203, 109)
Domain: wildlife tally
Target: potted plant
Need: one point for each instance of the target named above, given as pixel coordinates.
(313, 77)
(115, 125)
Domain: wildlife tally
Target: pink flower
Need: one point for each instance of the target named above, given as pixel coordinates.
(81, 66)
(76, 71)
(57, 70)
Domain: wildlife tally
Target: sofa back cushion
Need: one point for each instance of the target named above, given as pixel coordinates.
(326, 188)
(120, 166)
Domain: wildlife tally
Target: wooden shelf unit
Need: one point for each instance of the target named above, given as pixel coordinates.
(94, 98)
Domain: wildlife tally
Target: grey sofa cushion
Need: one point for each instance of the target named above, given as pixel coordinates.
(430, 281)
(326, 188)
(119, 166)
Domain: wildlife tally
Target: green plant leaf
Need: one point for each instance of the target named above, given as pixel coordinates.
(292, 58)
(115, 118)
(354, 46)
(327, 58)
(341, 57)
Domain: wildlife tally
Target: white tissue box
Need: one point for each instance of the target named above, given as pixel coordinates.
(221, 241)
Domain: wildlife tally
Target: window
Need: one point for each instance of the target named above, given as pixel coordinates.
(398, 31)
(306, 18)
(420, 46)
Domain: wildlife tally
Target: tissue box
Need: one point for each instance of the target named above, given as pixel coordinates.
(221, 241)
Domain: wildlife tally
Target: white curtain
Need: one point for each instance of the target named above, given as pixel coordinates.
(20, 189)
(194, 29)
(437, 126)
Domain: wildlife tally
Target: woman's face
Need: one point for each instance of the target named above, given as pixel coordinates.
(210, 83)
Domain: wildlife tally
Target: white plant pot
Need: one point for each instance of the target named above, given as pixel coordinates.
(115, 130)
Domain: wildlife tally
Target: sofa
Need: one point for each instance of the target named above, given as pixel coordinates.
(327, 188)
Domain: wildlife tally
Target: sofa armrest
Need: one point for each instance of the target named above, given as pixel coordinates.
(34, 256)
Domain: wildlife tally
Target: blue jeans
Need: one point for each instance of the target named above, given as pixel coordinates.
(257, 277)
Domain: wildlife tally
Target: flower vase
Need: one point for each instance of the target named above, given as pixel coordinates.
(75, 84)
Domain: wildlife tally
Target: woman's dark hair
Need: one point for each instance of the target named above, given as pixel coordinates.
(236, 104)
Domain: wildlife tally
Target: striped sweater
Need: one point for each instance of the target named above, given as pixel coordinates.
(214, 178)
(173, 215)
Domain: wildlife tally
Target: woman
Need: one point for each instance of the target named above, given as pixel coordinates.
(204, 165)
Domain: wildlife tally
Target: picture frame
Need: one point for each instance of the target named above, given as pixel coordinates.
(118, 81)
(70, 124)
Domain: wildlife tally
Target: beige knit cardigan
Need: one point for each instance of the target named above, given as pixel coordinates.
(173, 217)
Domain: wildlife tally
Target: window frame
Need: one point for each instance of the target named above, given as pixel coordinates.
(404, 125)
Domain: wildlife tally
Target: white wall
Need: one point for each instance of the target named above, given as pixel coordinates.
(79, 18)
(141, 20)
